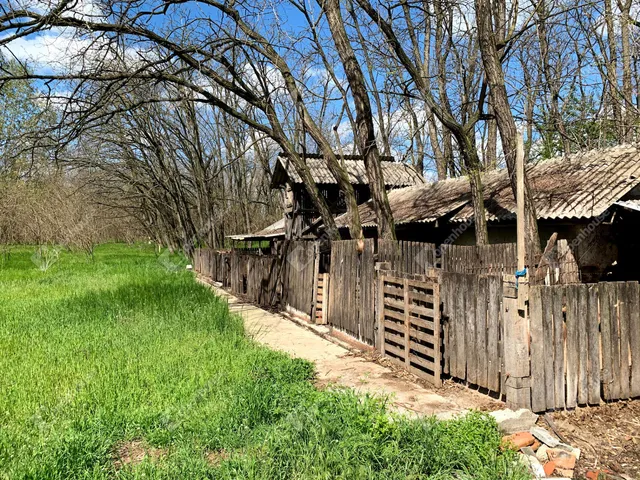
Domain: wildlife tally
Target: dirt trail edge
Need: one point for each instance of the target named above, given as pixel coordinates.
(337, 365)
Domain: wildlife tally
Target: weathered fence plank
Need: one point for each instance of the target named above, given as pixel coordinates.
(634, 337)
(538, 390)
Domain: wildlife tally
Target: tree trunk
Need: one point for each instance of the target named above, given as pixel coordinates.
(504, 117)
(365, 133)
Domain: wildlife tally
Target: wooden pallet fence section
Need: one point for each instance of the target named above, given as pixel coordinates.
(473, 326)
(409, 323)
(322, 297)
(585, 344)
(416, 258)
(351, 290)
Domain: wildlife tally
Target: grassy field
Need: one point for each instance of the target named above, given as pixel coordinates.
(121, 368)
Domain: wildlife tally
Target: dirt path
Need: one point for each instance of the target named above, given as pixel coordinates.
(338, 365)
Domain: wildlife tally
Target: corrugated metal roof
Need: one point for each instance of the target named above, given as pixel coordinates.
(274, 230)
(579, 186)
(395, 174)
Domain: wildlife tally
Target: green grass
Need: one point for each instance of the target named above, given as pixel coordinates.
(97, 354)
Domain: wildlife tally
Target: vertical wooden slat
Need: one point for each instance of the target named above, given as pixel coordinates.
(582, 318)
(548, 330)
(471, 290)
(572, 346)
(606, 335)
(407, 340)
(624, 316)
(446, 305)
(481, 333)
(437, 334)
(558, 338)
(460, 331)
(538, 391)
(493, 333)
(594, 339)
(615, 341)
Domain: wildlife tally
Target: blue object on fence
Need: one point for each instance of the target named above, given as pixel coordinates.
(520, 273)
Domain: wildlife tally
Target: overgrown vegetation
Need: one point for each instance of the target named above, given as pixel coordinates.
(103, 358)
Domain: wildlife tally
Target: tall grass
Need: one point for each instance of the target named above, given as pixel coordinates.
(97, 354)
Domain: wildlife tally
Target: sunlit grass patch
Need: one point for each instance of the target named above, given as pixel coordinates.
(121, 367)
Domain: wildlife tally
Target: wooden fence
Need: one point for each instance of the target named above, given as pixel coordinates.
(493, 259)
(473, 326)
(409, 323)
(407, 257)
(574, 344)
(351, 289)
(212, 264)
(558, 266)
(585, 344)
(300, 275)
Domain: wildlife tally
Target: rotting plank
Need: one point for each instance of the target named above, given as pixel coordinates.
(481, 333)
(582, 317)
(624, 316)
(461, 364)
(547, 329)
(593, 340)
(471, 292)
(615, 341)
(606, 334)
(573, 343)
(493, 332)
(558, 337)
(538, 392)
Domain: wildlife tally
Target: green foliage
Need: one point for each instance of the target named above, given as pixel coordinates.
(586, 127)
(97, 354)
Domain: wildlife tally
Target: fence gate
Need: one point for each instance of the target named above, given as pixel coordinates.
(409, 323)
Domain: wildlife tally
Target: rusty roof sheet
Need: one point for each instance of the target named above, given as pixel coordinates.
(580, 186)
(395, 174)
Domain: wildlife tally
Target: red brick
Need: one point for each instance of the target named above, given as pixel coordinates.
(549, 468)
(518, 440)
(562, 459)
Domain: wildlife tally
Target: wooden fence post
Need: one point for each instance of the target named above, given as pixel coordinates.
(517, 357)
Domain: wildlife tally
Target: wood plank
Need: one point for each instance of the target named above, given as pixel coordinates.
(606, 336)
(615, 341)
(634, 336)
(481, 333)
(437, 332)
(624, 318)
(471, 290)
(407, 340)
(493, 333)
(388, 313)
(444, 284)
(393, 337)
(424, 349)
(582, 317)
(461, 365)
(421, 296)
(547, 332)
(423, 362)
(558, 338)
(422, 322)
(572, 346)
(416, 310)
(538, 384)
(398, 352)
(594, 348)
